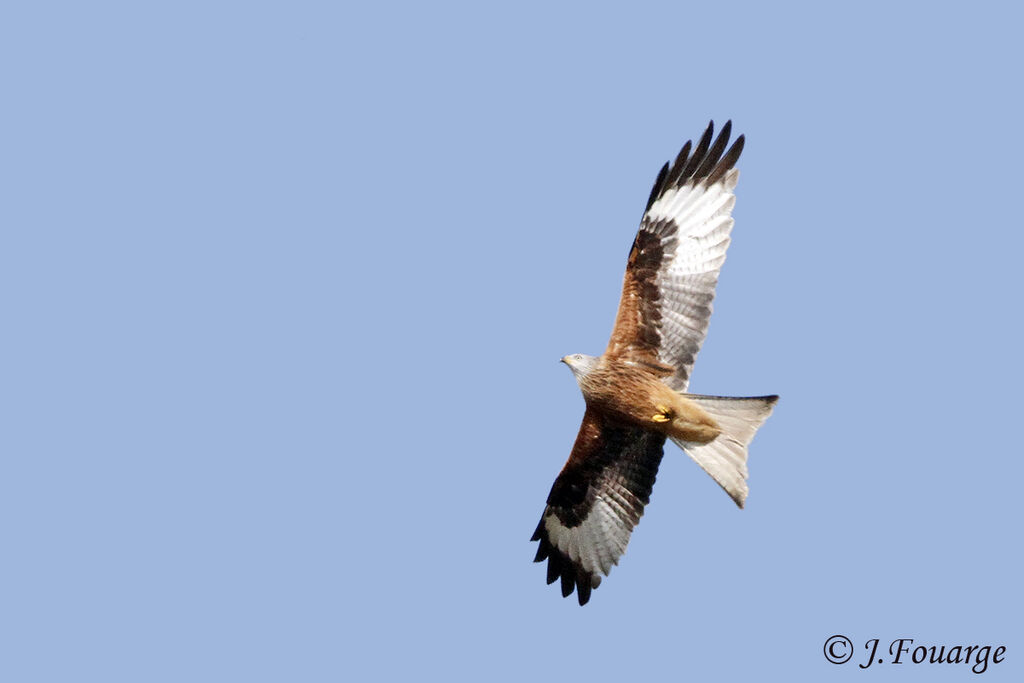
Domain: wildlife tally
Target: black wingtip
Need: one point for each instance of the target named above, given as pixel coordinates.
(583, 588)
(568, 581)
(659, 185)
(554, 568)
(571, 575)
(708, 163)
(678, 165)
(700, 152)
(727, 162)
(542, 553)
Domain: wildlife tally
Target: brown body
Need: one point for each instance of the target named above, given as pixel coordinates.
(636, 394)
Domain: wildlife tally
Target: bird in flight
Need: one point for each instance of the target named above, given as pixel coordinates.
(636, 391)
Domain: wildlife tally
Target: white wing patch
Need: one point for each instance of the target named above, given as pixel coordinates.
(598, 542)
(694, 222)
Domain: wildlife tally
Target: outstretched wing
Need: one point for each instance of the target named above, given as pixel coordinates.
(676, 256)
(597, 499)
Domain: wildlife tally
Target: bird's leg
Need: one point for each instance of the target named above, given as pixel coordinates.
(664, 414)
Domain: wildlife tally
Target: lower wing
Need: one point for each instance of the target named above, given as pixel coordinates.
(596, 501)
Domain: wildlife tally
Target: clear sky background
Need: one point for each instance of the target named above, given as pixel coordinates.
(284, 287)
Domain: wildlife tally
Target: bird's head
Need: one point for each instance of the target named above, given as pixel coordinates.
(580, 363)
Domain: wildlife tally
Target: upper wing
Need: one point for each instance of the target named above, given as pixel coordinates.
(597, 499)
(676, 256)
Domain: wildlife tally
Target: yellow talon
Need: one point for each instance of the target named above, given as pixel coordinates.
(660, 418)
(664, 414)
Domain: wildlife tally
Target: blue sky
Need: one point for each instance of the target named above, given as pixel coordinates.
(284, 288)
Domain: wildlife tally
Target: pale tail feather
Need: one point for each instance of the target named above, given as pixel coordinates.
(725, 458)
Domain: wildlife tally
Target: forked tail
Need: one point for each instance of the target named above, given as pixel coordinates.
(725, 458)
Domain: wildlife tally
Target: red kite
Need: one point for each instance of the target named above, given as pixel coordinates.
(635, 391)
